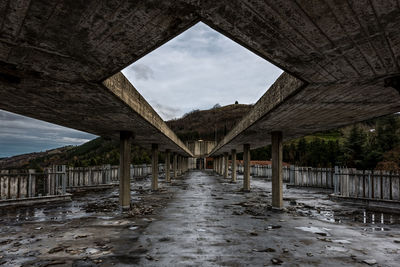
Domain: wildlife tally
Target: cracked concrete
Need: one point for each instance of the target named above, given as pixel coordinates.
(202, 220)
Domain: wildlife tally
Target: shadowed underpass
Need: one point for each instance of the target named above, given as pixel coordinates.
(200, 220)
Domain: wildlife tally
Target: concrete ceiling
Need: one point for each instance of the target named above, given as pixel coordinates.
(55, 55)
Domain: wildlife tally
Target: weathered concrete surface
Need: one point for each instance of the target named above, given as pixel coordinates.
(200, 220)
(55, 56)
(297, 109)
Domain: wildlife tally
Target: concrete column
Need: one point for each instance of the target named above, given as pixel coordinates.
(221, 165)
(154, 166)
(246, 167)
(179, 165)
(174, 165)
(124, 170)
(233, 174)
(167, 166)
(214, 162)
(226, 159)
(277, 180)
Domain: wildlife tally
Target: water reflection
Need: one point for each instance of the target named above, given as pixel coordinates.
(374, 221)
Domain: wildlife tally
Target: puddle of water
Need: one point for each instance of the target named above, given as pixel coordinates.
(338, 249)
(376, 220)
(314, 230)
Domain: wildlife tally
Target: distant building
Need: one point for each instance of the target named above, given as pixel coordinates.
(200, 149)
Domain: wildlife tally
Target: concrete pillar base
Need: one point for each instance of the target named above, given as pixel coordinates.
(277, 178)
(124, 209)
(278, 210)
(124, 169)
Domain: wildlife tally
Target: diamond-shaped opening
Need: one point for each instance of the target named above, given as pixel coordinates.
(196, 70)
(199, 69)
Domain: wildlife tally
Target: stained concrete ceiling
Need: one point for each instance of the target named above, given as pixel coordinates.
(55, 55)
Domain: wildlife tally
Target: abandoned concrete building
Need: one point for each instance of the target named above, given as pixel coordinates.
(61, 62)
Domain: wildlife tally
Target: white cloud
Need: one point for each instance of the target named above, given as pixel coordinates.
(199, 68)
(20, 134)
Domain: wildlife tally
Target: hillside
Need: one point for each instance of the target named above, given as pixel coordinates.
(211, 124)
(371, 144)
(204, 124)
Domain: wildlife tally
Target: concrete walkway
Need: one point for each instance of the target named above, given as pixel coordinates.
(211, 223)
(198, 220)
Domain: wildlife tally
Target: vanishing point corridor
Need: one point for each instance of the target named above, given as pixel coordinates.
(199, 220)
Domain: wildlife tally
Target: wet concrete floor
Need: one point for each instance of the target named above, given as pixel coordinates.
(199, 220)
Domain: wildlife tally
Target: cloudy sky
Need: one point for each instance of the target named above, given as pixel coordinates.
(196, 70)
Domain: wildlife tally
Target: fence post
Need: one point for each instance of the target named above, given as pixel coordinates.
(373, 184)
(30, 178)
(64, 178)
(108, 173)
(49, 181)
(390, 186)
(370, 186)
(291, 174)
(336, 180)
(56, 179)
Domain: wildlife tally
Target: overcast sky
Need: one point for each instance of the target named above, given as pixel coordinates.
(196, 70)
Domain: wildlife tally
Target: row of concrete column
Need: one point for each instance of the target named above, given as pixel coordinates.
(180, 165)
(221, 167)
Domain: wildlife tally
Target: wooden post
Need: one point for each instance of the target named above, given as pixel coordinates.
(124, 163)
(381, 185)
(277, 181)
(233, 174)
(390, 186)
(372, 181)
(246, 167)
(30, 183)
(291, 175)
(363, 188)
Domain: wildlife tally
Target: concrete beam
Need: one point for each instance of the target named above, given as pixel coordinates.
(125, 169)
(246, 167)
(290, 106)
(277, 177)
(154, 167)
(234, 165)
